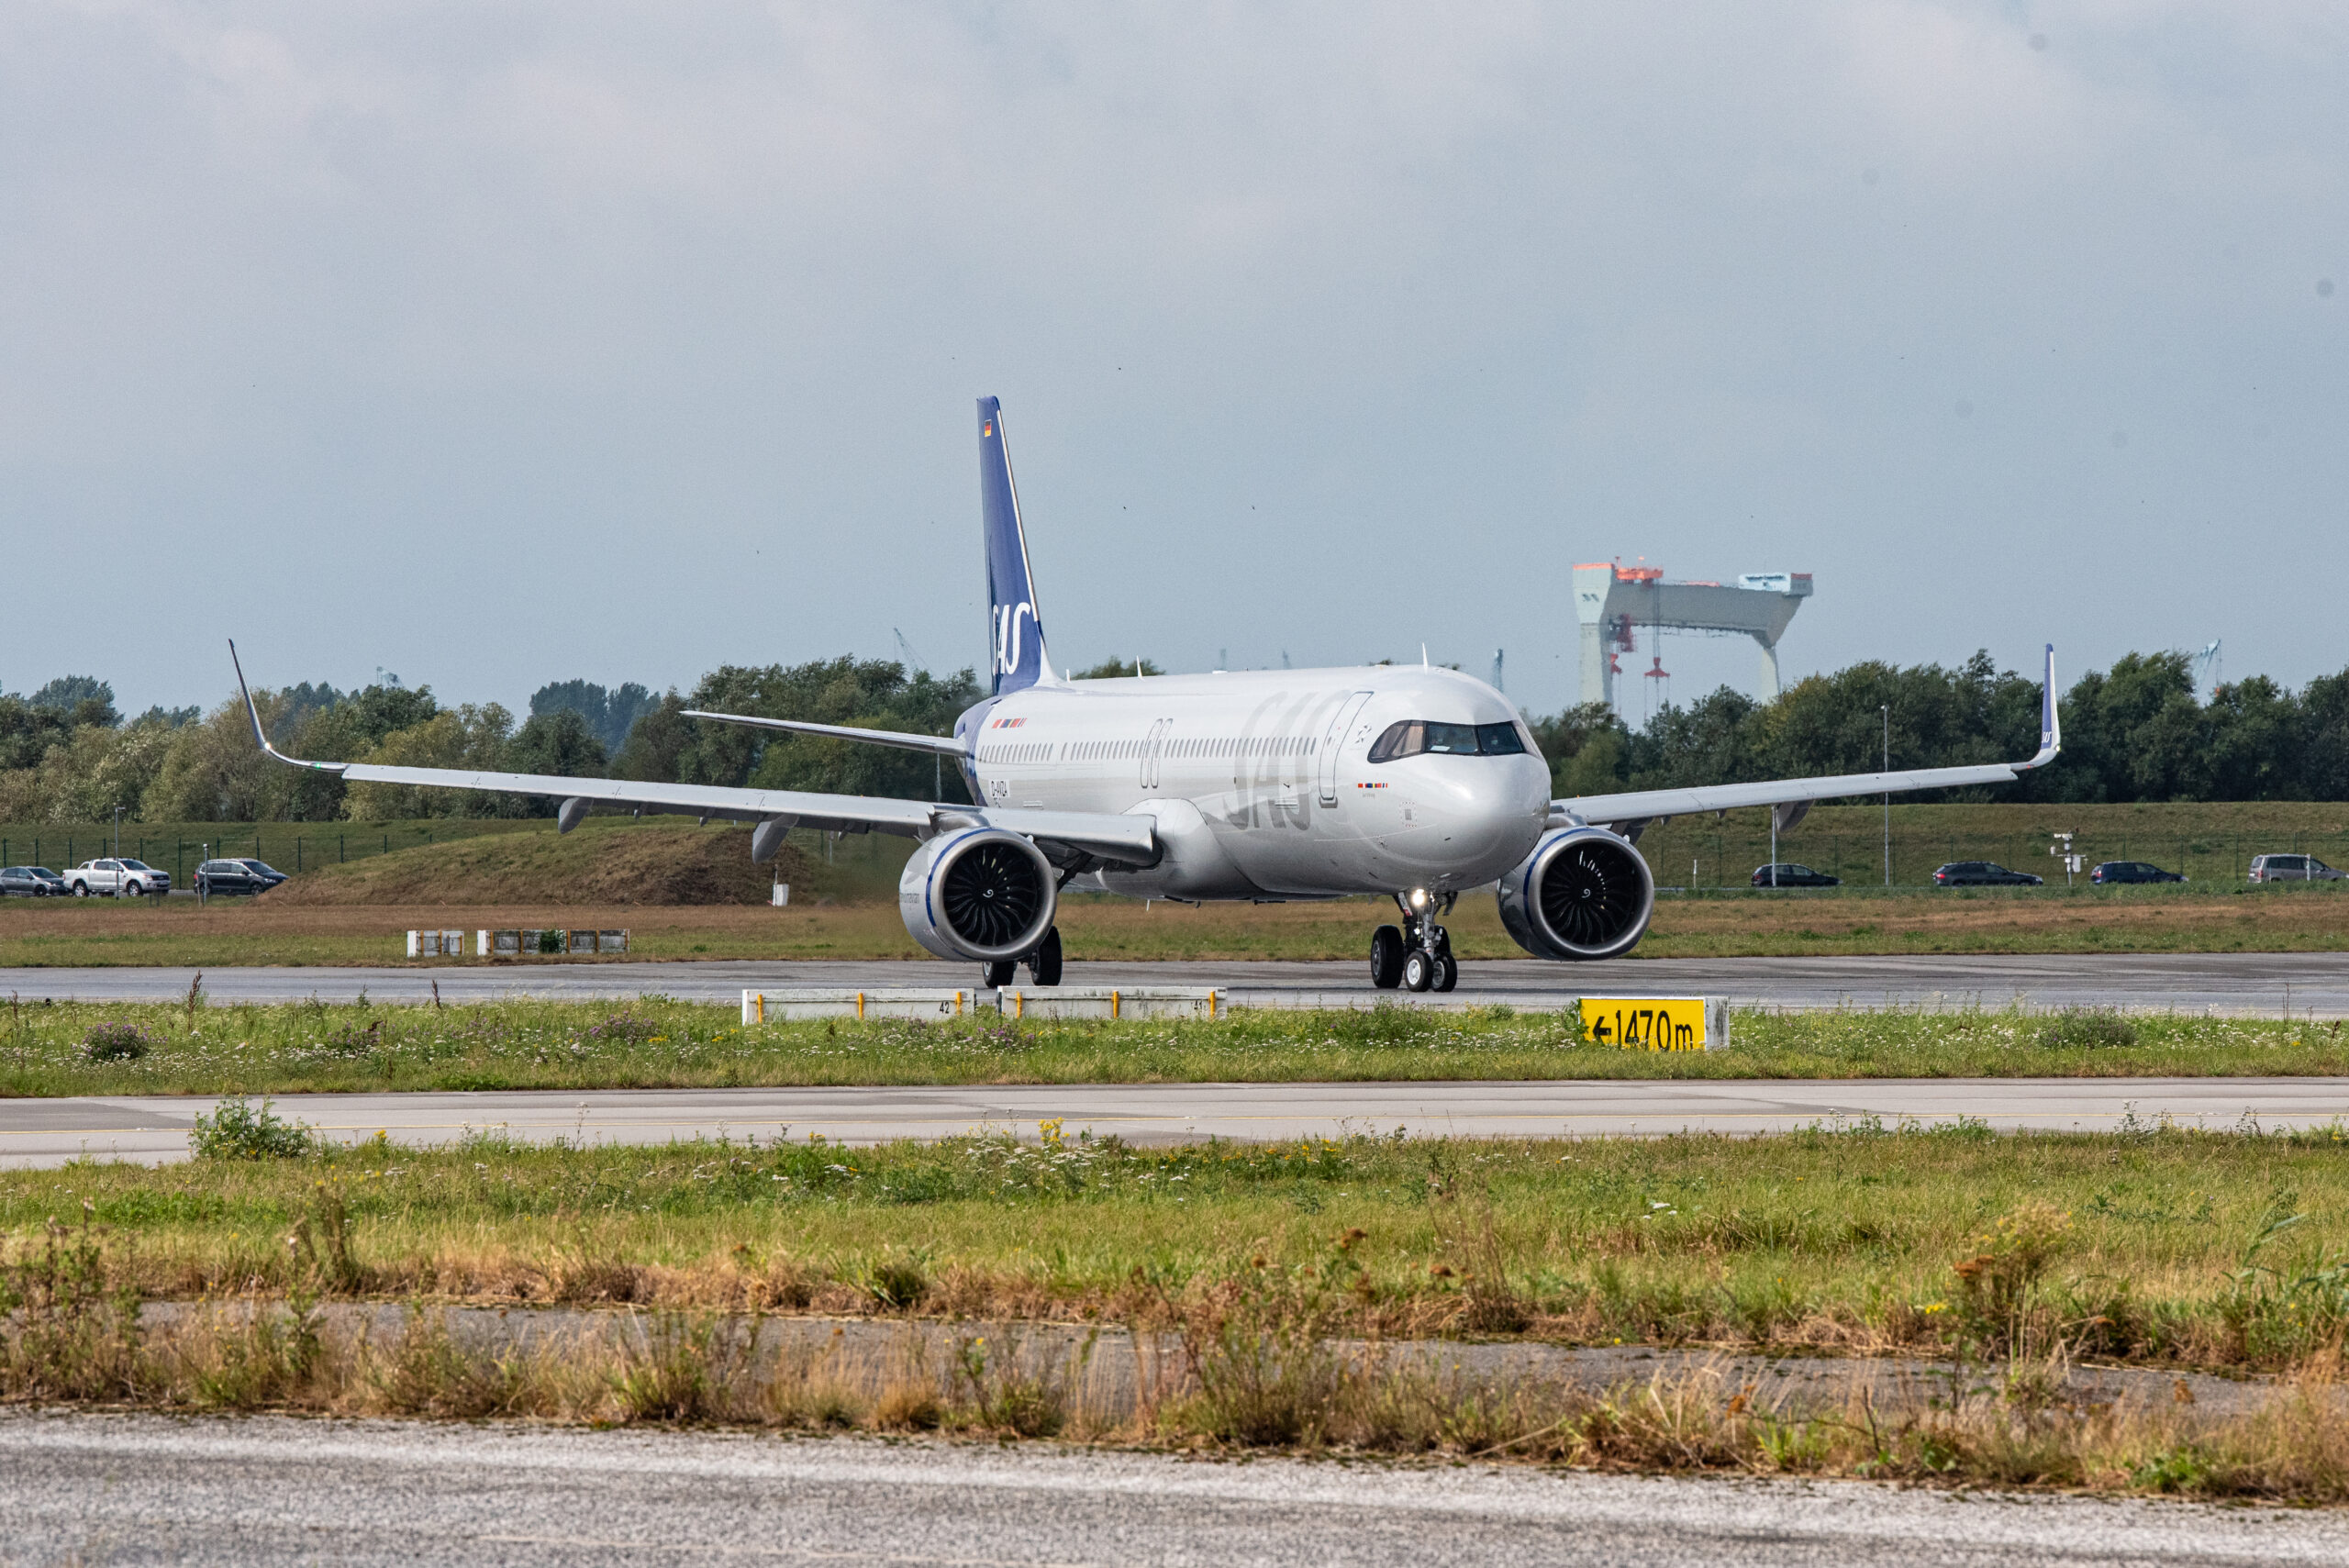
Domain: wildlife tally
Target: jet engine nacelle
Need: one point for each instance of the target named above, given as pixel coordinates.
(982, 894)
(1582, 894)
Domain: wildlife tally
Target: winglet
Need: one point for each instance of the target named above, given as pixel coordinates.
(2051, 728)
(252, 711)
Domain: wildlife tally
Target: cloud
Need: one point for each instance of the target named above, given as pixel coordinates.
(1422, 304)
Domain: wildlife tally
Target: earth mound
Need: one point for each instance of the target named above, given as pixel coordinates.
(619, 864)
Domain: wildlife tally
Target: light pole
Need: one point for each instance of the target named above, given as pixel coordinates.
(1886, 708)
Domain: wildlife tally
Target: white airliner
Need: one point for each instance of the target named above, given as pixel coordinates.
(1418, 784)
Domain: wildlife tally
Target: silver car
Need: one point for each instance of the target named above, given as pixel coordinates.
(2292, 868)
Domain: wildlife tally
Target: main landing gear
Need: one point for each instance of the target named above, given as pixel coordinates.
(1044, 965)
(1418, 955)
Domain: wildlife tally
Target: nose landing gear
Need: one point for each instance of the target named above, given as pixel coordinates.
(1416, 956)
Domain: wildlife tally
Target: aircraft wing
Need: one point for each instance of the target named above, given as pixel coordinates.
(1793, 796)
(1125, 839)
(938, 745)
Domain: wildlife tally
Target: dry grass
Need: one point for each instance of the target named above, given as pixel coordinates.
(1269, 1298)
(231, 934)
(266, 931)
(601, 865)
(1237, 1370)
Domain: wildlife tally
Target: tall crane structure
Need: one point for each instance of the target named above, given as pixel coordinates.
(1612, 601)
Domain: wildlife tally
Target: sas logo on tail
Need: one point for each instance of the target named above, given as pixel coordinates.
(1009, 639)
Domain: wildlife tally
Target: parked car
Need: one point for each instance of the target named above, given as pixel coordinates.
(2132, 871)
(112, 877)
(1982, 874)
(31, 882)
(2292, 868)
(1786, 873)
(220, 878)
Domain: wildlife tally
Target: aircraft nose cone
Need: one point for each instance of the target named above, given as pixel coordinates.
(1497, 815)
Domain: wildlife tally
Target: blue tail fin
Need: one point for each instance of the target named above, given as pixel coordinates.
(1015, 634)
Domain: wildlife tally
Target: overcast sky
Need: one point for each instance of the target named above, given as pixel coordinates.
(494, 344)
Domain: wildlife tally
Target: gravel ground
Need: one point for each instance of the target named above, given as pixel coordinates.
(105, 1489)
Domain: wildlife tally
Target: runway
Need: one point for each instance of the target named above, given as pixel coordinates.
(40, 1133)
(272, 1490)
(2305, 984)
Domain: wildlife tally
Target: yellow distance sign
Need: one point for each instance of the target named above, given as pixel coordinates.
(1647, 1023)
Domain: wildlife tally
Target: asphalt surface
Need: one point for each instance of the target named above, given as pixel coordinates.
(119, 1489)
(38, 1132)
(2305, 984)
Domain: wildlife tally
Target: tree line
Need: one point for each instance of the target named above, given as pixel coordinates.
(67, 755)
(2136, 732)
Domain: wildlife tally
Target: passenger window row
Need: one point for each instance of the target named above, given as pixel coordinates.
(1404, 737)
(1226, 747)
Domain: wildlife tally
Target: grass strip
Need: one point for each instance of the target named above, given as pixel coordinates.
(2153, 1245)
(113, 1047)
(1255, 1268)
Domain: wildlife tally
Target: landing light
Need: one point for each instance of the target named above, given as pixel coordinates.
(1418, 898)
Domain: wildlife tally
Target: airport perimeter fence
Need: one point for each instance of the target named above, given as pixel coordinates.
(854, 865)
(1691, 853)
(1703, 855)
(288, 846)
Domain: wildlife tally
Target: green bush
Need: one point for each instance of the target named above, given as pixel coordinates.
(237, 1129)
(2088, 1028)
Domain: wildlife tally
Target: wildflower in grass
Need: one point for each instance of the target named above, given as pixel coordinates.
(117, 1042)
(622, 1029)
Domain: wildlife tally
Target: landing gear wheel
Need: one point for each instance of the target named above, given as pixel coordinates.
(1044, 964)
(1447, 972)
(1387, 958)
(1418, 970)
(998, 975)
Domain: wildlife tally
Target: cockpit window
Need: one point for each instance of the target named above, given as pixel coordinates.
(1414, 737)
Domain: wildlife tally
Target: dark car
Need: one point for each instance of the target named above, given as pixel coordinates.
(237, 877)
(2132, 871)
(1982, 874)
(31, 882)
(1785, 873)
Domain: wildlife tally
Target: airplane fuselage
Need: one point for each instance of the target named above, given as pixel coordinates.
(1262, 782)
